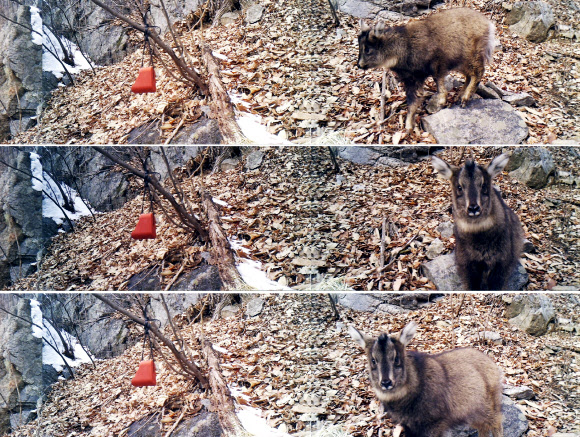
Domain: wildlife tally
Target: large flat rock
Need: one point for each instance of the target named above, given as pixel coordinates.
(480, 122)
(442, 271)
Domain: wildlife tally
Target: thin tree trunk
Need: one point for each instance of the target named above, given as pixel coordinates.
(221, 396)
(221, 103)
(333, 307)
(334, 15)
(222, 250)
(334, 161)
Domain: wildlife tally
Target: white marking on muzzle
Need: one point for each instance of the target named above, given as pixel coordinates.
(390, 62)
(469, 227)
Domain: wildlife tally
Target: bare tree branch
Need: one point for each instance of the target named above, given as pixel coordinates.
(187, 219)
(186, 364)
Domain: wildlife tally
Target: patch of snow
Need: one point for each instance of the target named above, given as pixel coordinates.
(36, 169)
(252, 127)
(252, 419)
(220, 56)
(36, 24)
(220, 349)
(48, 185)
(252, 273)
(36, 316)
(49, 334)
(219, 202)
(44, 36)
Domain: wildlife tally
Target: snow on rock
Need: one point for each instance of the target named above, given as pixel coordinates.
(36, 316)
(50, 335)
(252, 128)
(36, 168)
(252, 273)
(43, 35)
(36, 23)
(252, 419)
(50, 187)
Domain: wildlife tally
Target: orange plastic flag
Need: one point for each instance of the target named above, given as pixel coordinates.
(145, 228)
(145, 82)
(145, 375)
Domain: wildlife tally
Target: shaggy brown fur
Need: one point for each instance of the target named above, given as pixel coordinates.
(488, 234)
(455, 39)
(430, 394)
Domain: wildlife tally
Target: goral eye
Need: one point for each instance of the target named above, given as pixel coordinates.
(459, 188)
(484, 189)
(397, 361)
(373, 362)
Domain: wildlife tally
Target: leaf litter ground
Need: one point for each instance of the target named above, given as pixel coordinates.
(300, 367)
(306, 225)
(298, 72)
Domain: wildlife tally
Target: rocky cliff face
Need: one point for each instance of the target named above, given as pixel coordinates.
(21, 91)
(22, 236)
(102, 40)
(24, 232)
(21, 383)
(25, 379)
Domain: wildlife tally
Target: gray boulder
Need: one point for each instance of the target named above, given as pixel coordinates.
(254, 160)
(381, 8)
(480, 122)
(229, 17)
(442, 271)
(203, 278)
(531, 19)
(177, 156)
(101, 38)
(519, 392)
(519, 99)
(384, 302)
(90, 320)
(254, 307)
(254, 13)
(514, 422)
(387, 156)
(531, 312)
(177, 303)
(176, 10)
(445, 229)
(533, 166)
(435, 249)
(148, 426)
(147, 133)
(203, 131)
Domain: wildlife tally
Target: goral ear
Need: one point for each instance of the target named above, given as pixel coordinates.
(408, 333)
(364, 26)
(496, 166)
(362, 339)
(444, 169)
